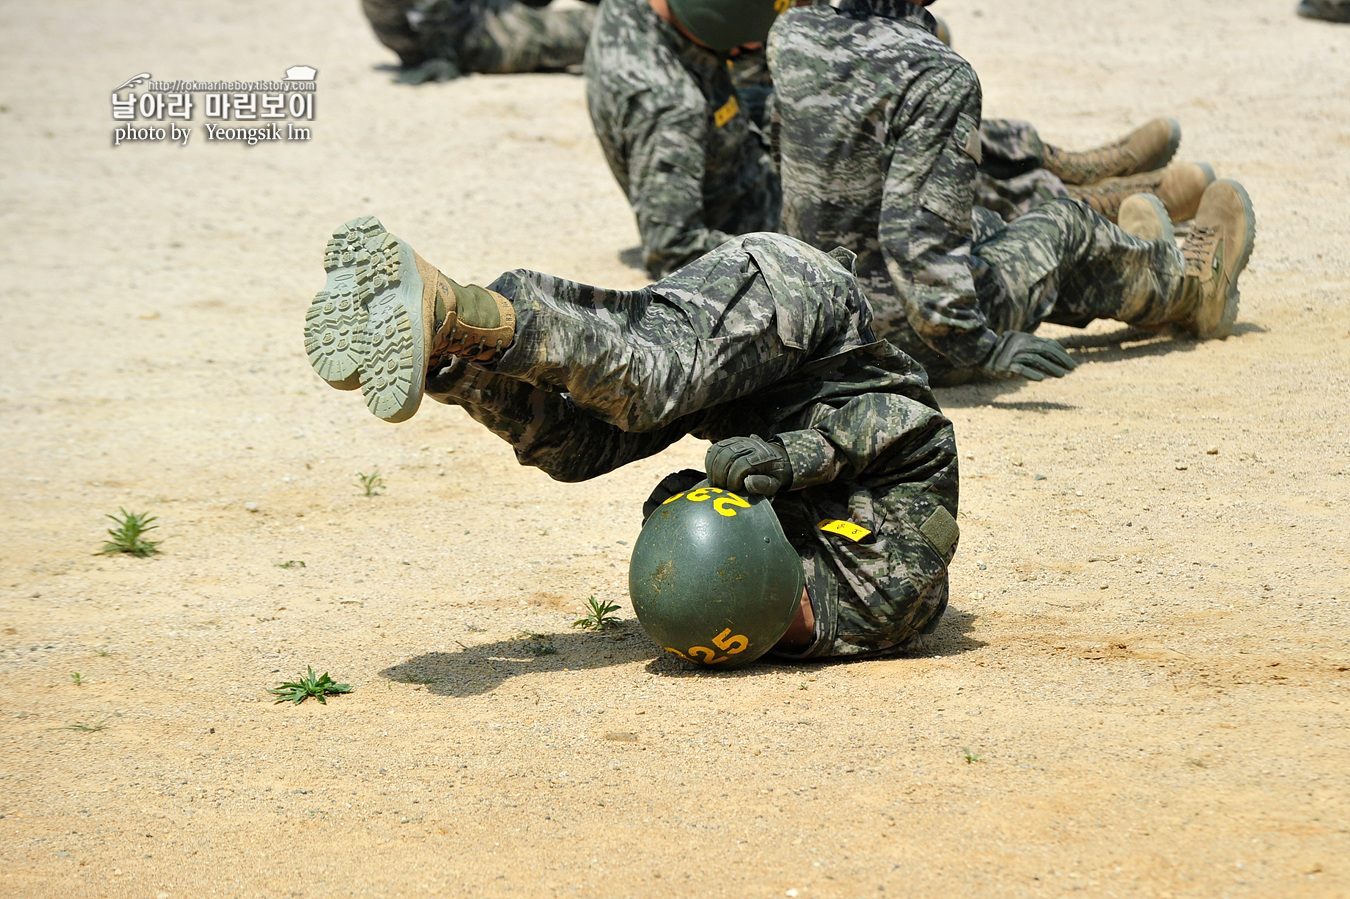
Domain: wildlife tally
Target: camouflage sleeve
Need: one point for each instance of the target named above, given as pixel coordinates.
(925, 229)
(870, 436)
(666, 163)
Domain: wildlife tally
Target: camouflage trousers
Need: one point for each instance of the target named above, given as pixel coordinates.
(1065, 263)
(488, 36)
(596, 379)
(1012, 180)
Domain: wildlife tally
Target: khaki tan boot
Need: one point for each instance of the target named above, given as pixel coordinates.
(1146, 148)
(1216, 251)
(1145, 216)
(1179, 187)
(407, 316)
(944, 31)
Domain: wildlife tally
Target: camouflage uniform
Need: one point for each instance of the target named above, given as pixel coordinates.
(1012, 179)
(878, 128)
(762, 336)
(694, 168)
(446, 38)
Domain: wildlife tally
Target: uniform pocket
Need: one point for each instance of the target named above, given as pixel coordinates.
(949, 191)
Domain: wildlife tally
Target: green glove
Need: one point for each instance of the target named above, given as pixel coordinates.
(749, 465)
(1029, 356)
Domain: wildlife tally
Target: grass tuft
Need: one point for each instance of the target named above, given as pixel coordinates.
(129, 535)
(371, 483)
(599, 616)
(300, 690)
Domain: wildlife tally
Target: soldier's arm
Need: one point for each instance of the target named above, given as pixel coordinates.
(666, 163)
(891, 430)
(925, 230)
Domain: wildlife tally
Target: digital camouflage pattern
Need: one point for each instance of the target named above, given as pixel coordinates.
(442, 39)
(762, 336)
(894, 116)
(1012, 178)
(694, 168)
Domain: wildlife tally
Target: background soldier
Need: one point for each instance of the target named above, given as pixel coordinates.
(695, 168)
(762, 345)
(951, 285)
(437, 40)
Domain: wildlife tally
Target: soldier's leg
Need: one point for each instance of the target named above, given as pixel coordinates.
(544, 427)
(737, 320)
(509, 36)
(1065, 262)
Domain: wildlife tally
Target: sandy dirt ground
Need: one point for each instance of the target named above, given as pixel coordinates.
(1140, 688)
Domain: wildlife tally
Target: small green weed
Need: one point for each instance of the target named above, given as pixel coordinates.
(76, 678)
(371, 483)
(1198, 763)
(971, 758)
(128, 537)
(291, 563)
(300, 690)
(600, 615)
(87, 728)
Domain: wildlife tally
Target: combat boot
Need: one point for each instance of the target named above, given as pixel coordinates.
(386, 315)
(1216, 251)
(1148, 147)
(944, 31)
(1178, 186)
(1145, 216)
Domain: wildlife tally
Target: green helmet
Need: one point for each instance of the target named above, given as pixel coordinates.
(713, 578)
(723, 24)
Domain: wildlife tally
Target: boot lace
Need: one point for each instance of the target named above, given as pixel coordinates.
(1198, 251)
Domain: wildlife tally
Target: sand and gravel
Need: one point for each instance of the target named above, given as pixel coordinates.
(1140, 688)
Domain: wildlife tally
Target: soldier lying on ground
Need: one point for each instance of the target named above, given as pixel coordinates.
(437, 40)
(951, 285)
(763, 346)
(688, 152)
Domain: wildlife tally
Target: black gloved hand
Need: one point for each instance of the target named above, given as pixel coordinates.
(1029, 356)
(671, 484)
(749, 465)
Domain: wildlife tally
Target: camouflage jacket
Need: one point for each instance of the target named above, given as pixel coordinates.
(877, 123)
(762, 336)
(694, 168)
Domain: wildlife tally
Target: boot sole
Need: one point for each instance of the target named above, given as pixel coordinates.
(385, 353)
(1173, 142)
(1232, 296)
(335, 323)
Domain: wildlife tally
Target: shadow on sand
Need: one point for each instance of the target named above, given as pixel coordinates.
(475, 670)
(1120, 345)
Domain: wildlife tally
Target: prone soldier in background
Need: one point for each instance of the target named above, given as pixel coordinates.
(694, 166)
(763, 346)
(437, 40)
(953, 286)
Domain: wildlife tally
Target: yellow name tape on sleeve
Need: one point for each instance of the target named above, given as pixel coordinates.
(854, 532)
(726, 113)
